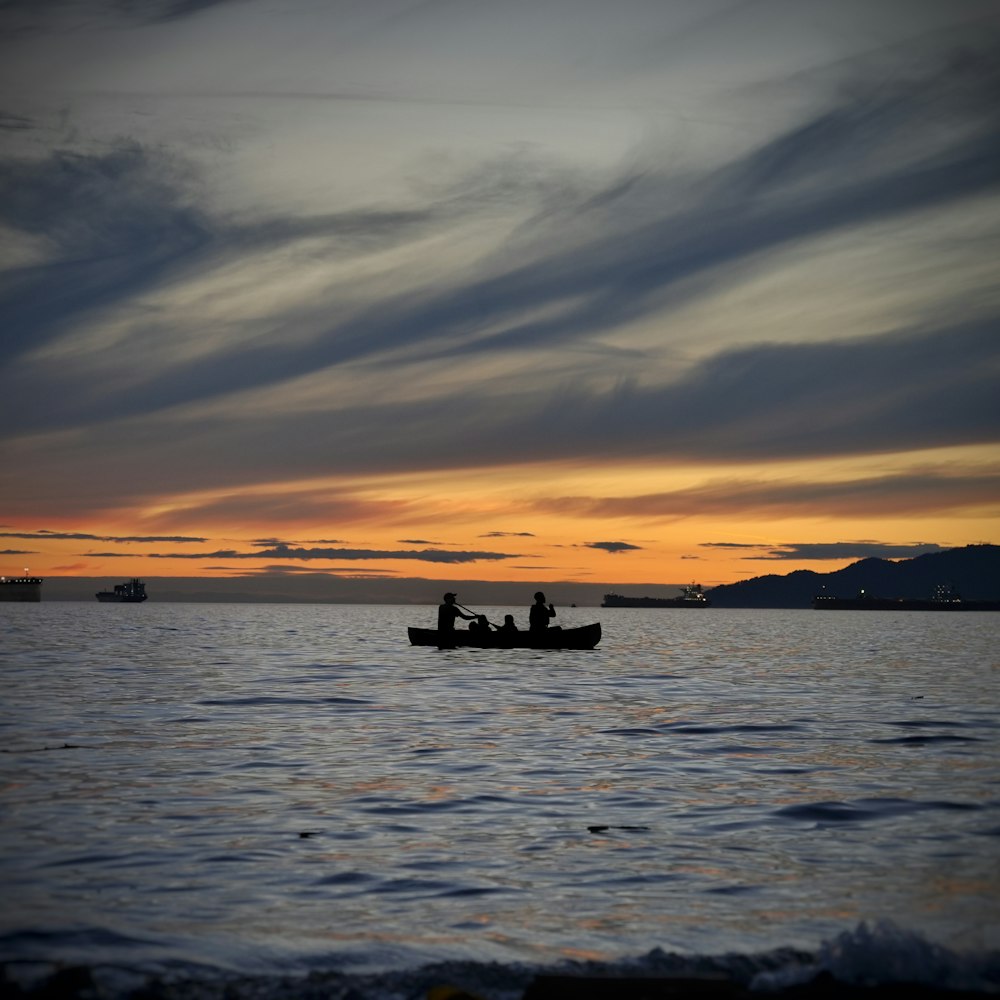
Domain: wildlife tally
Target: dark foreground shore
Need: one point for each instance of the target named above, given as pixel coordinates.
(469, 981)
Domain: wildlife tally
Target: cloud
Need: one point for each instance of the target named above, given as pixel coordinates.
(132, 233)
(17, 552)
(508, 534)
(15, 123)
(278, 569)
(334, 505)
(123, 224)
(892, 393)
(799, 551)
(612, 547)
(591, 263)
(83, 536)
(808, 400)
(637, 246)
(169, 10)
(922, 489)
(114, 224)
(282, 551)
(27, 16)
(268, 543)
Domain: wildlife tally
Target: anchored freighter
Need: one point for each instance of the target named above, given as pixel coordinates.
(131, 592)
(20, 588)
(690, 597)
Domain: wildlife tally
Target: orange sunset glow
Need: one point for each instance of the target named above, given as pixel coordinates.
(625, 525)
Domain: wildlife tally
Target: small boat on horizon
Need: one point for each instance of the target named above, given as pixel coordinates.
(131, 592)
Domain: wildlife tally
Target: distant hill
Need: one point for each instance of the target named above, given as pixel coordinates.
(973, 571)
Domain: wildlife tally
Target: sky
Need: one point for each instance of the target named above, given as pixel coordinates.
(642, 292)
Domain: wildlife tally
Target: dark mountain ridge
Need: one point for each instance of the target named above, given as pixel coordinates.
(973, 571)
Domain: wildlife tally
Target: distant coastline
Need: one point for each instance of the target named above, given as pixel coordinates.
(320, 588)
(974, 571)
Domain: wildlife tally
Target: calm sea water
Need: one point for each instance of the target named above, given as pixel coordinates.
(270, 788)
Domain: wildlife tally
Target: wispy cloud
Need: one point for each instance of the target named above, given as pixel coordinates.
(921, 489)
(799, 551)
(333, 572)
(290, 552)
(126, 220)
(79, 15)
(14, 123)
(168, 10)
(613, 547)
(84, 536)
(762, 402)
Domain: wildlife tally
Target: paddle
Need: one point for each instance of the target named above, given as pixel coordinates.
(477, 614)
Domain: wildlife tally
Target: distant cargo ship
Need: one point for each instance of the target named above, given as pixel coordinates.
(131, 592)
(20, 588)
(944, 599)
(690, 597)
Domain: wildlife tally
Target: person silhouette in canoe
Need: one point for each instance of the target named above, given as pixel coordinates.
(448, 612)
(508, 624)
(540, 613)
(481, 624)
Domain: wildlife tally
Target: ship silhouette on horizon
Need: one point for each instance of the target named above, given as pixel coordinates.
(690, 597)
(131, 592)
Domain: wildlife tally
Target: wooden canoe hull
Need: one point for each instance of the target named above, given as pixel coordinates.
(584, 637)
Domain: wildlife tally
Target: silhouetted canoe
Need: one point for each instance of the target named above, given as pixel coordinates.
(584, 637)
